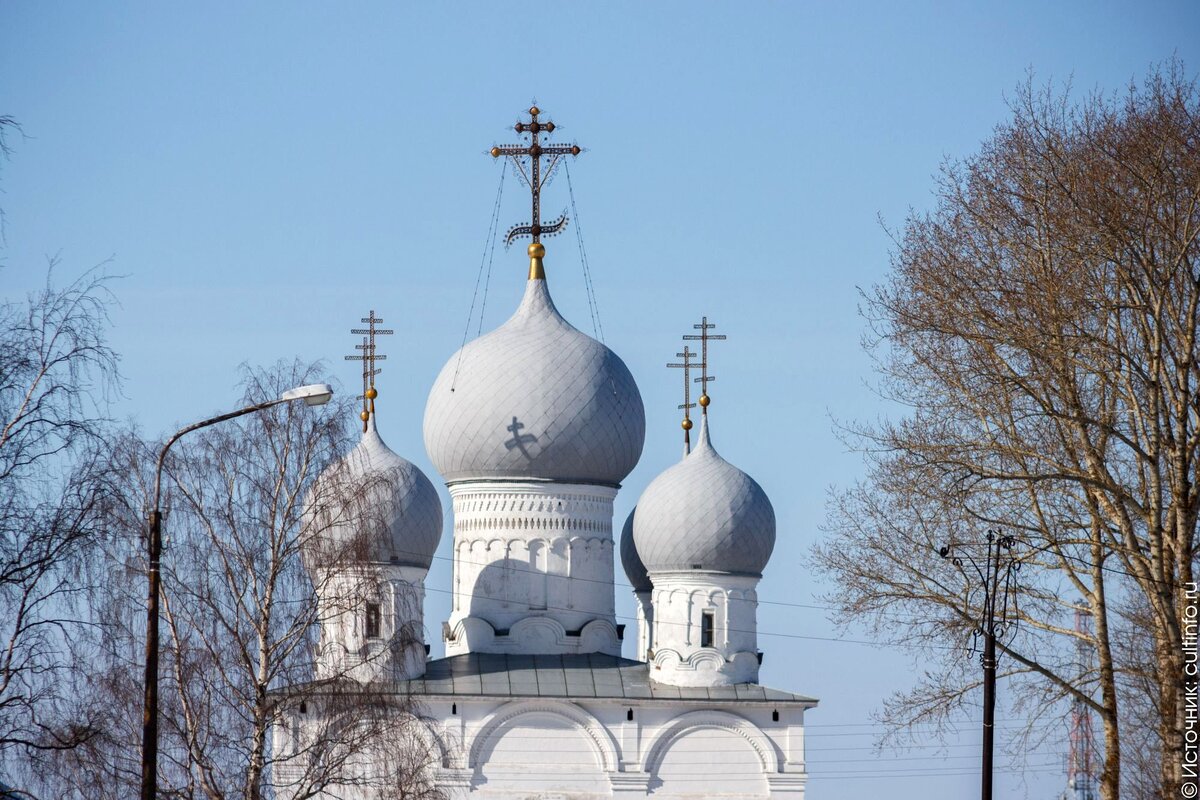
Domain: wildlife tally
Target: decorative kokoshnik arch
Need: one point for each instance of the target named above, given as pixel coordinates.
(498, 723)
(692, 721)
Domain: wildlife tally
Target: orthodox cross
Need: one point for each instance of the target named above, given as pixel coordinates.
(535, 151)
(368, 376)
(686, 365)
(705, 337)
(369, 357)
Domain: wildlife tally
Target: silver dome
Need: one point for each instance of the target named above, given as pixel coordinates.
(373, 506)
(535, 399)
(635, 570)
(704, 513)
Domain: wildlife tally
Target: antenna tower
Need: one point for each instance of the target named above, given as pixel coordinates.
(1082, 759)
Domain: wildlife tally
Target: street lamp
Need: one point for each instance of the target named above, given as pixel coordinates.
(313, 395)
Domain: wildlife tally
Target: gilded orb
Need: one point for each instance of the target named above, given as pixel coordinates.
(534, 110)
(575, 150)
(495, 152)
(705, 400)
(372, 394)
(687, 424)
(537, 250)
(364, 416)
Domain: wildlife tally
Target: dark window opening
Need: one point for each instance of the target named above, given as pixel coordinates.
(372, 620)
(453, 708)
(303, 707)
(629, 715)
(775, 715)
(707, 624)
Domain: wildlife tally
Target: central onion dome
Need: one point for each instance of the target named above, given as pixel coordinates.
(535, 399)
(373, 506)
(704, 513)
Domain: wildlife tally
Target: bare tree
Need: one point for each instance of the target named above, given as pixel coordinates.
(8, 125)
(1040, 326)
(367, 743)
(55, 374)
(241, 614)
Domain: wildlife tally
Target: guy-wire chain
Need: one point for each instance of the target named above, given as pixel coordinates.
(489, 249)
(593, 305)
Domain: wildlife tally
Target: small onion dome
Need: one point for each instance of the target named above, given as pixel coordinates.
(704, 513)
(535, 399)
(373, 506)
(635, 570)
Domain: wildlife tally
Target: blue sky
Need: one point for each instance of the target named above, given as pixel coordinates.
(263, 174)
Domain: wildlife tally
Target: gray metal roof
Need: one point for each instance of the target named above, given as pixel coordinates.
(576, 677)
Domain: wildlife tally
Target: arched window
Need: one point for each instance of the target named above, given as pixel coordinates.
(372, 621)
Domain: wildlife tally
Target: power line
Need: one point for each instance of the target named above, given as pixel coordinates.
(604, 613)
(611, 582)
(581, 769)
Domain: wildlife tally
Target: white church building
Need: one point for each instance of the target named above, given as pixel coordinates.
(533, 427)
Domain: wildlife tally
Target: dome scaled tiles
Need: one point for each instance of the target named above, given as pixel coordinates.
(635, 570)
(373, 506)
(535, 399)
(704, 514)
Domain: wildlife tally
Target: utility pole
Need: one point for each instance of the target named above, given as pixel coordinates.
(997, 616)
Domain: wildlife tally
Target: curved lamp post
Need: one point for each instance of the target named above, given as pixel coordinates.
(313, 395)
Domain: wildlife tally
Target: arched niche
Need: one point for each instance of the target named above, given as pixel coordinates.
(541, 734)
(704, 753)
(376, 749)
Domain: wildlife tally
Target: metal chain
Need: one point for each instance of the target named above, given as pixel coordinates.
(593, 305)
(489, 250)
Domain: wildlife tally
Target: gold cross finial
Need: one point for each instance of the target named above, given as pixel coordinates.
(704, 337)
(527, 159)
(369, 357)
(687, 405)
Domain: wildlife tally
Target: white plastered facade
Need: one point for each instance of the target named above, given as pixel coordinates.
(681, 601)
(533, 565)
(495, 748)
(396, 651)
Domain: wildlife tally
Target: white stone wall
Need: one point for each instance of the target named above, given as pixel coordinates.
(680, 601)
(344, 649)
(533, 566)
(500, 749)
